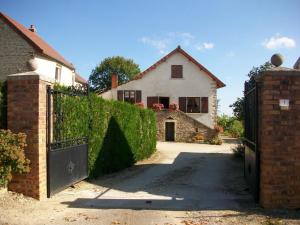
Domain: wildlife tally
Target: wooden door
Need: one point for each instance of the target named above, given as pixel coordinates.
(170, 131)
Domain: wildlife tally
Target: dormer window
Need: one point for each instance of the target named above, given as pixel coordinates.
(58, 73)
(176, 71)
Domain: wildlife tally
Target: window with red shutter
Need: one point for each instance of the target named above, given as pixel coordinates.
(193, 105)
(138, 96)
(204, 105)
(176, 71)
(120, 95)
(152, 100)
(182, 104)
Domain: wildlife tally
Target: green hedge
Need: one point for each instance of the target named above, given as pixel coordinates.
(3, 105)
(120, 133)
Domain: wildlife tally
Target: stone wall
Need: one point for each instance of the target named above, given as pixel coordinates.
(14, 52)
(186, 128)
(279, 135)
(27, 113)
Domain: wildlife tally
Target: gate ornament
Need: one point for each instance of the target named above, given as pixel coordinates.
(70, 167)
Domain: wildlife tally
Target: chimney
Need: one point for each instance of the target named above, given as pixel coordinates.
(114, 80)
(32, 28)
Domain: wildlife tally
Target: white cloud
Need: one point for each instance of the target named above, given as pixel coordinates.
(159, 44)
(165, 43)
(230, 54)
(204, 45)
(278, 41)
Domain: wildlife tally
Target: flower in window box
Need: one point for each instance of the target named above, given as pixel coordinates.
(173, 107)
(157, 107)
(140, 105)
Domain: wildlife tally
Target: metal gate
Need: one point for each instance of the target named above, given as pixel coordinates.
(251, 165)
(67, 155)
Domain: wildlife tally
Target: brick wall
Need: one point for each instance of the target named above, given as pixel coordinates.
(279, 139)
(14, 52)
(27, 113)
(185, 127)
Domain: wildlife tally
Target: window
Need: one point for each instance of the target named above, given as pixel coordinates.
(165, 101)
(131, 96)
(193, 104)
(58, 73)
(151, 100)
(176, 71)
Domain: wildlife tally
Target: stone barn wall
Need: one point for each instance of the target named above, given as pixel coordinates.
(186, 128)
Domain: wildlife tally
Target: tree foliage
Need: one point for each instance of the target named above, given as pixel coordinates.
(12, 156)
(100, 78)
(238, 108)
(238, 105)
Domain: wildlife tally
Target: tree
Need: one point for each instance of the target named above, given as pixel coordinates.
(100, 78)
(238, 105)
(238, 108)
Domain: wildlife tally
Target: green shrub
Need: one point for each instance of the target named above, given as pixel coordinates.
(232, 127)
(216, 140)
(12, 157)
(119, 133)
(3, 105)
(236, 130)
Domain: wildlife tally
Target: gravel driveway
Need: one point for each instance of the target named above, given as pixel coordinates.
(181, 184)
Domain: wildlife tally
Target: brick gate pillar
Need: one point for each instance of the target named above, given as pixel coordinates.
(279, 138)
(26, 95)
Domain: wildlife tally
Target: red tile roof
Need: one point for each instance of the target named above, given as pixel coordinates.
(220, 84)
(80, 79)
(37, 42)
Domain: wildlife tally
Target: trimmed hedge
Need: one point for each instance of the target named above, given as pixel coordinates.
(3, 105)
(119, 133)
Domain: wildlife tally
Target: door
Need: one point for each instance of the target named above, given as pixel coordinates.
(170, 131)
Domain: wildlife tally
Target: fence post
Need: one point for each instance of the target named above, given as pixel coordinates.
(279, 135)
(27, 113)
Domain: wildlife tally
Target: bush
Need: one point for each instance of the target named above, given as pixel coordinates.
(119, 133)
(12, 157)
(237, 129)
(232, 127)
(216, 140)
(3, 105)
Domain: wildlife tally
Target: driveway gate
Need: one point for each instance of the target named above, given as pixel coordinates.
(251, 166)
(67, 155)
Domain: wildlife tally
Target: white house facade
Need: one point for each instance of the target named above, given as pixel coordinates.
(176, 78)
(22, 50)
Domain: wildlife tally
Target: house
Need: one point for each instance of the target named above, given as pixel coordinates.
(176, 78)
(23, 50)
(297, 64)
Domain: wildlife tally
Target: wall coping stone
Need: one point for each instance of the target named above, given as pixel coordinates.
(278, 72)
(31, 75)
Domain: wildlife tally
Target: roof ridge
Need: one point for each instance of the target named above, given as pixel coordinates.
(220, 84)
(36, 41)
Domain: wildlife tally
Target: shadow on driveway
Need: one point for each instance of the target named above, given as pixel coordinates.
(193, 181)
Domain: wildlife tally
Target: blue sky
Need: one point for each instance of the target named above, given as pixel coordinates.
(227, 37)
